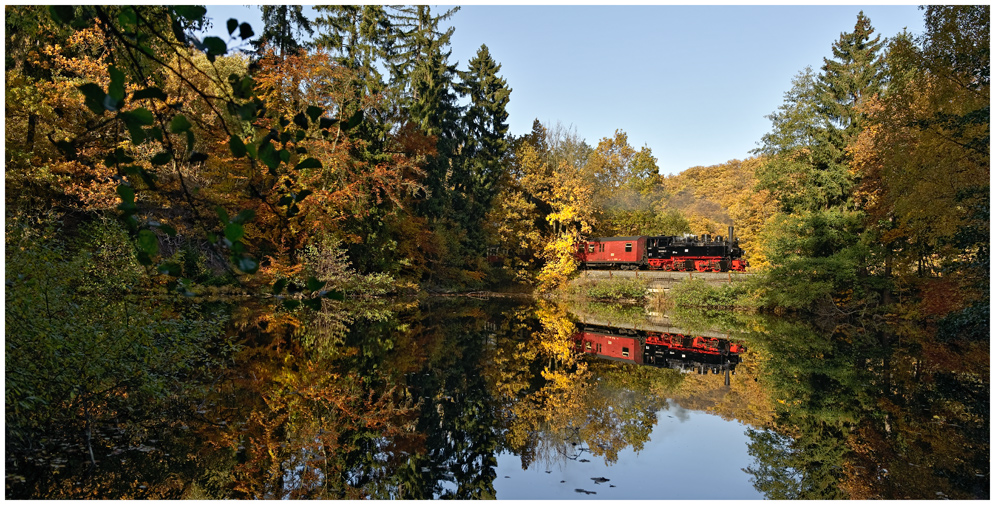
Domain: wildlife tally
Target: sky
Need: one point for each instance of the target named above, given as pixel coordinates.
(691, 82)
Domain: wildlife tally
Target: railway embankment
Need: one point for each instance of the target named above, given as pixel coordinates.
(658, 281)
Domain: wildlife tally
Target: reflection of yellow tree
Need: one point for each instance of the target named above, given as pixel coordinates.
(301, 419)
(571, 407)
(532, 414)
(296, 444)
(744, 399)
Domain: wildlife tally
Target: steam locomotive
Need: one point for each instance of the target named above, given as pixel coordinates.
(671, 253)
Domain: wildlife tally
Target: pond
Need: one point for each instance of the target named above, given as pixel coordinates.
(536, 399)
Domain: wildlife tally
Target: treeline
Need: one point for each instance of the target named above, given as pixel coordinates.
(370, 142)
(357, 142)
(879, 170)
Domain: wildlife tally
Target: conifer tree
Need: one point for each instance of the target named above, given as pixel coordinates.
(485, 118)
(486, 142)
(846, 82)
(360, 37)
(796, 120)
(415, 28)
(283, 27)
(423, 78)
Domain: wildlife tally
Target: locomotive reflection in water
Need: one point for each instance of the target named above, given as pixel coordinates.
(687, 353)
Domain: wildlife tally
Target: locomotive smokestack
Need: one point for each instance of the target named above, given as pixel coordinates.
(730, 238)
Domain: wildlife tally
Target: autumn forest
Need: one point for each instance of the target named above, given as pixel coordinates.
(230, 260)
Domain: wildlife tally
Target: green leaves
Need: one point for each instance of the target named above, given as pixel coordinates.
(301, 120)
(237, 147)
(63, 13)
(244, 216)
(246, 264)
(127, 197)
(162, 158)
(94, 97)
(148, 243)
(171, 269)
(354, 120)
(192, 13)
(134, 121)
(279, 285)
(245, 31)
(234, 232)
(149, 93)
(314, 284)
(215, 47)
(146, 177)
(179, 124)
(269, 155)
(308, 163)
(116, 88)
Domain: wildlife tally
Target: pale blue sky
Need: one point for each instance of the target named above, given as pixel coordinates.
(691, 82)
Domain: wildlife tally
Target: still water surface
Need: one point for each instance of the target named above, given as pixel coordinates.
(469, 398)
(690, 455)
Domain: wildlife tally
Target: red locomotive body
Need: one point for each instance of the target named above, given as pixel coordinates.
(625, 348)
(613, 252)
(670, 253)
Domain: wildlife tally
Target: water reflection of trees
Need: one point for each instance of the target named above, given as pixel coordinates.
(557, 406)
(871, 411)
(414, 401)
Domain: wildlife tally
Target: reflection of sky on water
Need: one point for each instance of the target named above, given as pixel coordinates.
(690, 455)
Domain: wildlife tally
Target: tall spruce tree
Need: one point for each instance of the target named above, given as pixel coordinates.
(486, 145)
(796, 121)
(846, 82)
(415, 27)
(360, 37)
(424, 78)
(283, 27)
(485, 118)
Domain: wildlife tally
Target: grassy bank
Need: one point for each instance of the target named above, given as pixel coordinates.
(700, 294)
(620, 289)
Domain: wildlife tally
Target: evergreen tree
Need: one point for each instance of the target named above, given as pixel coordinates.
(283, 26)
(360, 36)
(486, 146)
(796, 120)
(846, 82)
(414, 29)
(424, 78)
(485, 119)
(808, 168)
